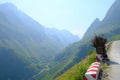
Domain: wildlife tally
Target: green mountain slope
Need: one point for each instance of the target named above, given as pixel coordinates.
(13, 67)
(109, 27)
(77, 71)
(26, 48)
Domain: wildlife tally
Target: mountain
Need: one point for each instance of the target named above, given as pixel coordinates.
(62, 36)
(109, 27)
(114, 10)
(27, 48)
(109, 23)
(91, 30)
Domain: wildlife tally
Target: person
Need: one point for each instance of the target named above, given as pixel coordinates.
(99, 43)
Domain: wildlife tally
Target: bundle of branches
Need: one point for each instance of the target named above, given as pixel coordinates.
(98, 41)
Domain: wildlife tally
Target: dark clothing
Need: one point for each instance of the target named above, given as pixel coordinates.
(99, 44)
(102, 50)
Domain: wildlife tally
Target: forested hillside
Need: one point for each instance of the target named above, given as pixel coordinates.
(26, 47)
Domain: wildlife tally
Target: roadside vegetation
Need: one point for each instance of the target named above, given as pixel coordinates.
(77, 72)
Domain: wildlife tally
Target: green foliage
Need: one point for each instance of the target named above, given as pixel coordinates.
(77, 72)
(90, 52)
(12, 66)
(116, 37)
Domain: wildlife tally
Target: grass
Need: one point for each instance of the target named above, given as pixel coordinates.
(104, 66)
(116, 37)
(77, 72)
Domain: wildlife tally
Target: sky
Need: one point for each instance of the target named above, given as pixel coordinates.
(72, 15)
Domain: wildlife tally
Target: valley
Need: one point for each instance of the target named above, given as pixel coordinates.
(32, 51)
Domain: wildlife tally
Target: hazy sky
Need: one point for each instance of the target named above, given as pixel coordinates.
(72, 15)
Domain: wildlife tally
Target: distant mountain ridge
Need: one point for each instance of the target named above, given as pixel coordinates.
(28, 42)
(65, 37)
(92, 28)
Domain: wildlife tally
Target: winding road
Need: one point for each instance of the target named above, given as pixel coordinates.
(114, 55)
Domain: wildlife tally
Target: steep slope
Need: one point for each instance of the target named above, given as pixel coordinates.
(25, 46)
(112, 16)
(77, 71)
(91, 30)
(109, 27)
(12, 67)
